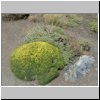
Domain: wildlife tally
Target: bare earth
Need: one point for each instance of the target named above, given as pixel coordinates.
(14, 31)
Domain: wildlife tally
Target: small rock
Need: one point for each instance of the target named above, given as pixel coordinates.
(80, 68)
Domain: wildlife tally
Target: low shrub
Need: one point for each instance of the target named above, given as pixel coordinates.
(39, 60)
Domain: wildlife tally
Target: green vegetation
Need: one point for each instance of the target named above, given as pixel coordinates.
(94, 25)
(62, 20)
(55, 36)
(73, 20)
(48, 76)
(39, 60)
(53, 19)
(84, 45)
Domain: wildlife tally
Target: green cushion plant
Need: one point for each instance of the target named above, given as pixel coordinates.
(37, 60)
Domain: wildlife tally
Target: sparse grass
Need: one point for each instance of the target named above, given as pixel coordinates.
(35, 18)
(94, 25)
(62, 20)
(73, 20)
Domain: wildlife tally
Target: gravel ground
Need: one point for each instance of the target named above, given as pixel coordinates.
(14, 31)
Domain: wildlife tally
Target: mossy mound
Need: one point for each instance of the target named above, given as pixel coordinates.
(39, 60)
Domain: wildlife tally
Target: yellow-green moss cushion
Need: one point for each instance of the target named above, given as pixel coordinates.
(39, 60)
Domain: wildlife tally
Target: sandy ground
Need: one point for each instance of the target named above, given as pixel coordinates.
(14, 31)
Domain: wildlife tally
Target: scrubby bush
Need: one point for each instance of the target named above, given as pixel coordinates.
(94, 25)
(62, 20)
(55, 36)
(39, 60)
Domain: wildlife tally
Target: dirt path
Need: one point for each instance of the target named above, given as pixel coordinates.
(14, 31)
